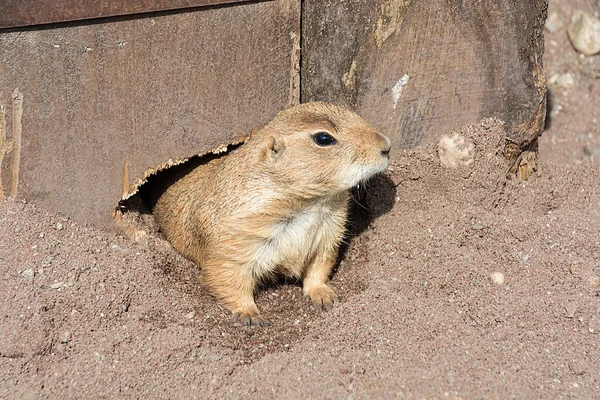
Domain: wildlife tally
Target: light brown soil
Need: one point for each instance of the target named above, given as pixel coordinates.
(88, 314)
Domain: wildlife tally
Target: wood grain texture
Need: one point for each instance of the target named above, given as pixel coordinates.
(20, 13)
(464, 61)
(145, 90)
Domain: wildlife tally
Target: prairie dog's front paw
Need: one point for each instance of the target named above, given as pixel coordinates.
(322, 296)
(250, 319)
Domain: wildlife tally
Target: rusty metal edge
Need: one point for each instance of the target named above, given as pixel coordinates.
(171, 162)
(22, 13)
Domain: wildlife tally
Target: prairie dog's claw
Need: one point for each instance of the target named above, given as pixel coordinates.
(322, 297)
(250, 319)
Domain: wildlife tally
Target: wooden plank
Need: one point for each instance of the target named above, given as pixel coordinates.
(19, 13)
(142, 90)
(417, 70)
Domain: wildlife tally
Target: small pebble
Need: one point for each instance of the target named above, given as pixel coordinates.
(571, 309)
(498, 277)
(594, 324)
(584, 32)
(554, 22)
(116, 247)
(28, 273)
(477, 226)
(566, 80)
(65, 337)
(574, 270)
(455, 150)
(190, 315)
(59, 226)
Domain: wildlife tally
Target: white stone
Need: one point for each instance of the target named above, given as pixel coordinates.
(566, 80)
(554, 22)
(28, 273)
(455, 150)
(190, 315)
(498, 277)
(56, 285)
(584, 32)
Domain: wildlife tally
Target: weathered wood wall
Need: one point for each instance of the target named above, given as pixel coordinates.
(142, 89)
(20, 13)
(79, 100)
(418, 69)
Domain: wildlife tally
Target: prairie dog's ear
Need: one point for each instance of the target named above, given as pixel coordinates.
(272, 147)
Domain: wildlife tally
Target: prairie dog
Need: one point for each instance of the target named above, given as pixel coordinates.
(278, 204)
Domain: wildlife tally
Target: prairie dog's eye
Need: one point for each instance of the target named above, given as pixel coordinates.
(324, 139)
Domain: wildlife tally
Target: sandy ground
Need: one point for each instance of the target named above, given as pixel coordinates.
(457, 283)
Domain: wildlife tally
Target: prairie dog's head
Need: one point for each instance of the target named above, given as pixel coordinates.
(322, 147)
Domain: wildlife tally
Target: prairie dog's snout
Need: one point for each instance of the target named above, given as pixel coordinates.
(386, 146)
(276, 205)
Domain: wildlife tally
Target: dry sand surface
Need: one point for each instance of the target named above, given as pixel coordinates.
(457, 283)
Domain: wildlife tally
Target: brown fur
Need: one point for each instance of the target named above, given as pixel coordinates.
(276, 205)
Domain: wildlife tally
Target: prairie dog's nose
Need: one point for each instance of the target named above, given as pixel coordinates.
(386, 146)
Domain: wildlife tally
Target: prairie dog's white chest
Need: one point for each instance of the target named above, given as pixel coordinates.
(291, 241)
